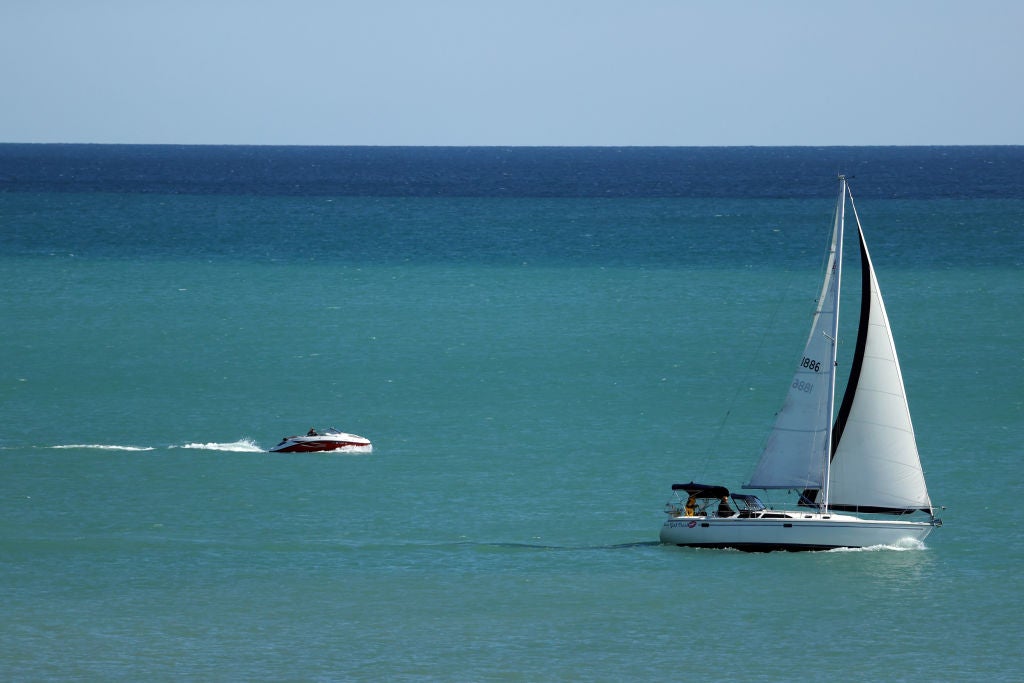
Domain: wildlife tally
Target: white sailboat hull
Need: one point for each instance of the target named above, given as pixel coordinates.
(799, 531)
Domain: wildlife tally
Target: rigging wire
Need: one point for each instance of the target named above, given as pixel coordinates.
(714, 448)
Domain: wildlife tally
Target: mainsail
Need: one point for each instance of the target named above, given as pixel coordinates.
(797, 447)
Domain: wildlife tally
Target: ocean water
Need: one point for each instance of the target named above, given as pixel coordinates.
(539, 342)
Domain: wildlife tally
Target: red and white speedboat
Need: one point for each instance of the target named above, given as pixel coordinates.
(324, 440)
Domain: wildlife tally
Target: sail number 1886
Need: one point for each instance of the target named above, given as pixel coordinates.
(811, 364)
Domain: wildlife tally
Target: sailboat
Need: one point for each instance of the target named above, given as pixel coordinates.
(854, 470)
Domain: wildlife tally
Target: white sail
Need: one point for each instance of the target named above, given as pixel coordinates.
(876, 464)
(795, 453)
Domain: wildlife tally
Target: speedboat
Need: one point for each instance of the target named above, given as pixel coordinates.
(323, 440)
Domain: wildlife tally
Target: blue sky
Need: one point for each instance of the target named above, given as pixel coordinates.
(516, 72)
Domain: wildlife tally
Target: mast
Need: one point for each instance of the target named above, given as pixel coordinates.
(833, 339)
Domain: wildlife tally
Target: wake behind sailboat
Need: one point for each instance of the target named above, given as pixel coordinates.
(860, 459)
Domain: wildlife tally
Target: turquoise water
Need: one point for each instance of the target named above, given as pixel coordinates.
(530, 407)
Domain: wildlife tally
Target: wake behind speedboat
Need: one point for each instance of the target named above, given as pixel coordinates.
(324, 440)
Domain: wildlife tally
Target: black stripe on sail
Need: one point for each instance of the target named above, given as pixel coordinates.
(862, 341)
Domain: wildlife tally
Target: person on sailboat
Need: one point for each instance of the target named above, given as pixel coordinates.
(723, 507)
(691, 507)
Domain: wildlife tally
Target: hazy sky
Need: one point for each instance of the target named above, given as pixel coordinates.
(513, 72)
